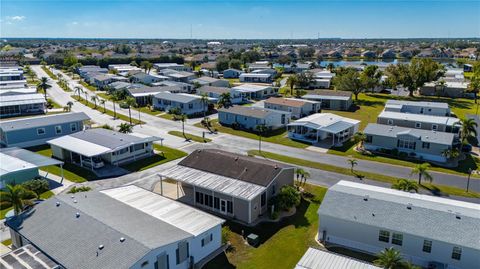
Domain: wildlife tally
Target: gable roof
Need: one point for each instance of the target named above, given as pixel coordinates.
(328, 122)
(320, 259)
(429, 217)
(214, 89)
(34, 122)
(177, 97)
(287, 101)
(236, 166)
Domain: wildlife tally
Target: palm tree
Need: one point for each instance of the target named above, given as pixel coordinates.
(260, 129)
(94, 99)
(352, 163)
(359, 138)
(147, 66)
(44, 86)
(78, 90)
(405, 185)
(114, 98)
(389, 258)
(86, 97)
(225, 100)
(330, 67)
(183, 118)
(451, 153)
(204, 100)
(299, 172)
(468, 128)
(16, 196)
(102, 102)
(69, 105)
(409, 265)
(130, 101)
(291, 82)
(125, 128)
(305, 176)
(422, 171)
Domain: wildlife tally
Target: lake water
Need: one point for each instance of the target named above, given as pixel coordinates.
(380, 62)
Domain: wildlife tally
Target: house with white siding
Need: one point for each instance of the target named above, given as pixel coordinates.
(249, 117)
(252, 91)
(427, 108)
(429, 231)
(189, 104)
(298, 107)
(120, 228)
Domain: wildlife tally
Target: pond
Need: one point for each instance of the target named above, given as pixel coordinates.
(380, 62)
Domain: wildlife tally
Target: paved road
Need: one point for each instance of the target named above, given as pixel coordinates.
(160, 127)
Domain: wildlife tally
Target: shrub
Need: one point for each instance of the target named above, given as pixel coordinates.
(274, 215)
(38, 186)
(226, 233)
(106, 126)
(286, 199)
(76, 189)
(402, 154)
(394, 152)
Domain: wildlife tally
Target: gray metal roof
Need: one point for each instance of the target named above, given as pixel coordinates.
(17, 159)
(320, 259)
(424, 135)
(450, 121)
(429, 216)
(177, 97)
(213, 89)
(74, 242)
(251, 111)
(21, 99)
(34, 122)
(26, 257)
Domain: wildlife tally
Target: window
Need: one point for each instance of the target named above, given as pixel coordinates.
(182, 252)
(405, 144)
(216, 203)
(425, 145)
(73, 127)
(418, 125)
(138, 147)
(384, 236)
(390, 122)
(397, 239)
(230, 207)
(207, 240)
(263, 199)
(369, 139)
(40, 131)
(145, 263)
(190, 106)
(122, 151)
(58, 129)
(456, 253)
(434, 127)
(199, 197)
(427, 246)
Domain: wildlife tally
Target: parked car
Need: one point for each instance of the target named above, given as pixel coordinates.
(94, 162)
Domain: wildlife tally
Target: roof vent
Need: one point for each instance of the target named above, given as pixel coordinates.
(365, 198)
(57, 204)
(236, 158)
(74, 201)
(72, 196)
(100, 247)
(122, 239)
(457, 215)
(409, 206)
(373, 214)
(77, 215)
(276, 166)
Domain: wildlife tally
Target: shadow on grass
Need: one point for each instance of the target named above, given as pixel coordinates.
(221, 261)
(434, 190)
(266, 230)
(145, 163)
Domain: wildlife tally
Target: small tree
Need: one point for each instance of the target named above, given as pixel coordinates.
(405, 185)
(69, 105)
(125, 128)
(291, 82)
(422, 171)
(130, 102)
(43, 85)
(38, 186)
(287, 198)
(102, 102)
(468, 129)
(94, 99)
(225, 100)
(16, 196)
(204, 100)
(299, 172)
(78, 90)
(352, 163)
(451, 153)
(359, 138)
(389, 258)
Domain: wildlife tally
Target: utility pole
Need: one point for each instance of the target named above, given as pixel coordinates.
(468, 179)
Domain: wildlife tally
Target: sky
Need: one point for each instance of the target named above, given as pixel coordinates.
(241, 19)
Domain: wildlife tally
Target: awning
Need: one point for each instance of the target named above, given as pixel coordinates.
(17, 159)
(79, 146)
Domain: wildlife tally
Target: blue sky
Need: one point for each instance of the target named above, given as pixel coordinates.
(239, 19)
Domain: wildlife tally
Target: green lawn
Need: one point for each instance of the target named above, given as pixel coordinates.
(108, 112)
(71, 172)
(277, 136)
(190, 137)
(7, 242)
(49, 73)
(166, 155)
(43, 196)
(88, 86)
(345, 169)
(282, 244)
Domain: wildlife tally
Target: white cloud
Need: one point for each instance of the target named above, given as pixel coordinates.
(16, 18)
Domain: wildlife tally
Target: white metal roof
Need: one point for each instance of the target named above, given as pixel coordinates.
(17, 159)
(326, 97)
(82, 147)
(419, 117)
(319, 259)
(250, 88)
(21, 99)
(182, 216)
(229, 186)
(326, 122)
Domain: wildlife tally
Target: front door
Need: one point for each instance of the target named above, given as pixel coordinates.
(223, 206)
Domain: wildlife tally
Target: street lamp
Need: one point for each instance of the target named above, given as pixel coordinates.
(468, 179)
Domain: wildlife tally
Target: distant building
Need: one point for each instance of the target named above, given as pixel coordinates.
(429, 231)
(209, 81)
(28, 132)
(252, 91)
(232, 73)
(22, 104)
(120, 228)
(173, 66)
(330, 99)
(388, 54)
(298, 107)
(216, 92)
(247, 183)
(369, 54)
(188, 104)
(454, 89)
(256, 78)
(321, 259)
(427, 108)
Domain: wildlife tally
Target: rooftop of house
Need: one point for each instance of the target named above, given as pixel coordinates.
(97, 141)
(251, 111)
(240, 167)
(416, 103)
(178, 97)
(214, 89)
(450, 121)
(250, 88)
(293, 102)
(17, 159)
(423, 135)
(41, 121)
(326, 122)
(107, 225)
(425, 216)
(21, 99)
(321, 259)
